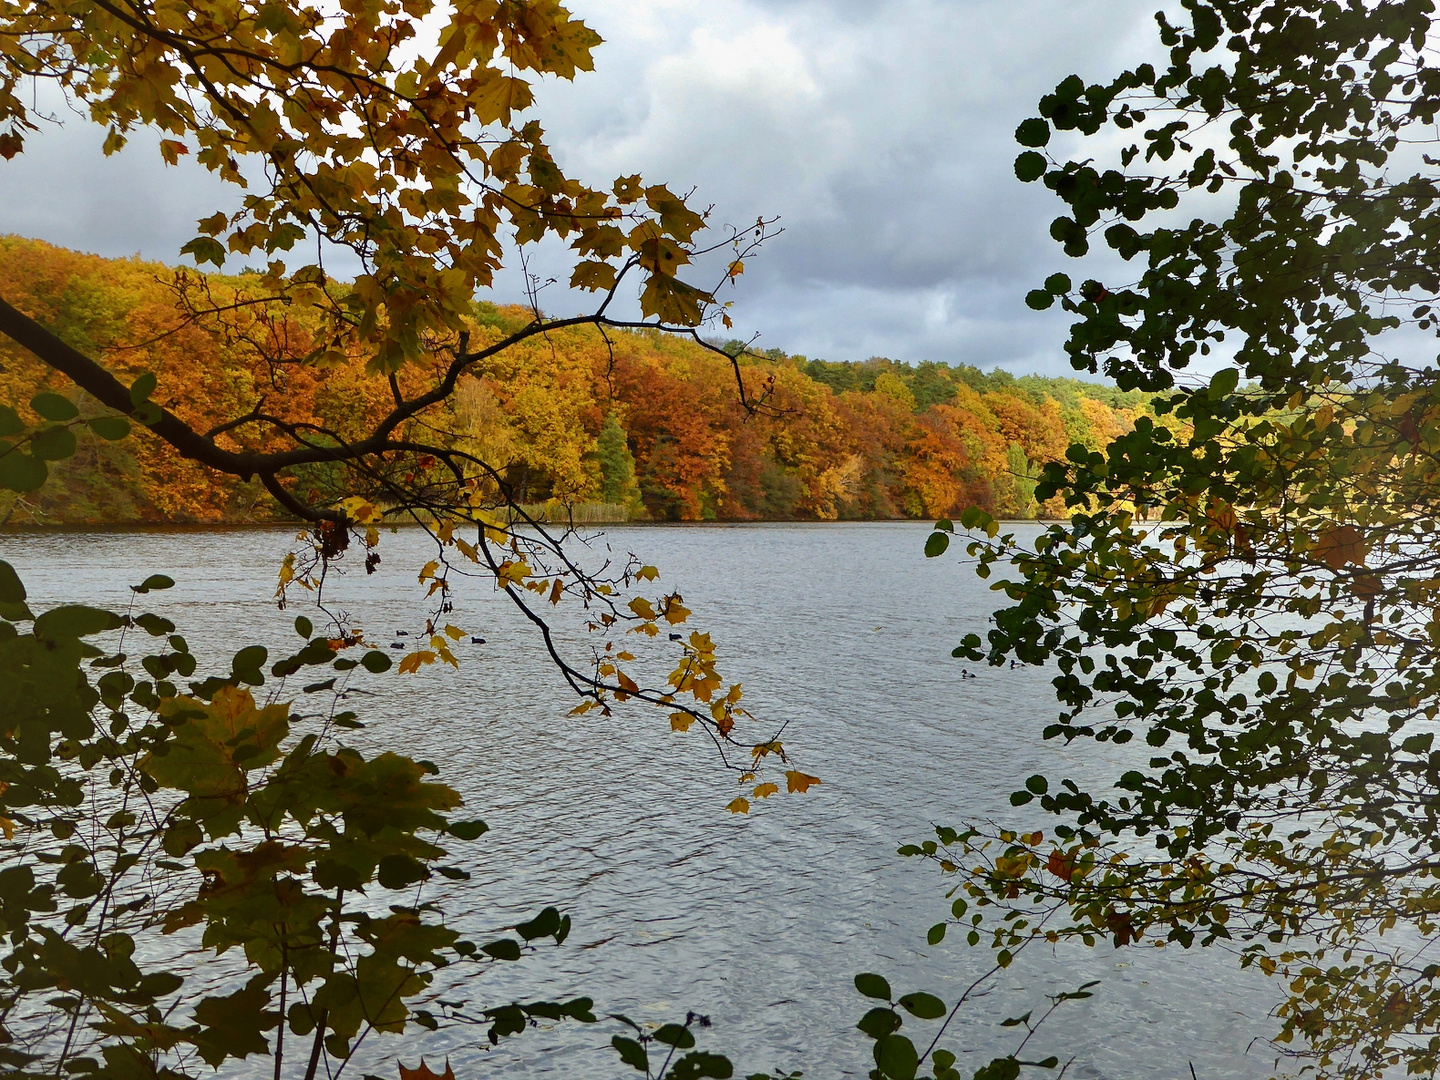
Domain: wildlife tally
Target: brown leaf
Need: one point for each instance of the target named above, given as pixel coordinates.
(422, 1073)
(1341, 545)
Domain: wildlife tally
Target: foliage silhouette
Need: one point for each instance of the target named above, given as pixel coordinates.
(1265, 655)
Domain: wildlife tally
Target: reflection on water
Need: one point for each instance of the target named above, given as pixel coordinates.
(762, 921)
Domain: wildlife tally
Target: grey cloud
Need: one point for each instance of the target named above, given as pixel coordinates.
(880, 132)
(65, 190)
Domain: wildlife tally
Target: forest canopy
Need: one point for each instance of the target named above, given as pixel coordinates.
(870, 439)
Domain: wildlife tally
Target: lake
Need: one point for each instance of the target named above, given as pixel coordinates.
(761, 921)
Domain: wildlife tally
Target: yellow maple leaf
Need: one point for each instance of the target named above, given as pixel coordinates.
(798, 781)
(738, 806)
(412, 662)
(764, 791)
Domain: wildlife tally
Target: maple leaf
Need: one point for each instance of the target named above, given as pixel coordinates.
(421, 1072)
(1339, 546)
(797, 781)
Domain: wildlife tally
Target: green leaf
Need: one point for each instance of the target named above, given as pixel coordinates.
(676, 1035)
(1033, 132)
(1038, 300)
(154, 581)
(896, 1056)
(234, 1026)
(304, 627)
(1058, 284)
(247, 662)
(12, 594)
(877, 1023)
(1006, 1068)
(1224, 381)
(631, 1053)
(543, 925)
(10, 422)
(1030, 166)
(503, 949)
(1037, 785)
(205, 249)
(110, 428)
(925, 1006)
(142, 388)
(74, 621)
(936, 934)
(375, 661)
(54, 407)
(698, 1064)
(467, 830)
(872, 985)
(53, 444)
(936, 544)
(401, 871)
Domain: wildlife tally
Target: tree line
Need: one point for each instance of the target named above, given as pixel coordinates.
(630, 418)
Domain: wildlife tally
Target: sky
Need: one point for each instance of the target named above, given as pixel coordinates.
(880, 133)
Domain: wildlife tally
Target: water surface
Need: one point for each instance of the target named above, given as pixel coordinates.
(760, 922)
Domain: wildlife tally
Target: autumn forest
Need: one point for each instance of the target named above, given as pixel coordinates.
(646, 424)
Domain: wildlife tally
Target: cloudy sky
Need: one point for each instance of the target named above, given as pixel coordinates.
(879, 132)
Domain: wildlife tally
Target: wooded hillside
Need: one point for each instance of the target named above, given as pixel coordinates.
(646, 420)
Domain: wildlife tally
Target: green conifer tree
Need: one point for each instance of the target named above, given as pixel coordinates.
(617, 464)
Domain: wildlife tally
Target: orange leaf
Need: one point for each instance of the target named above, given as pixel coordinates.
(1060, 864)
